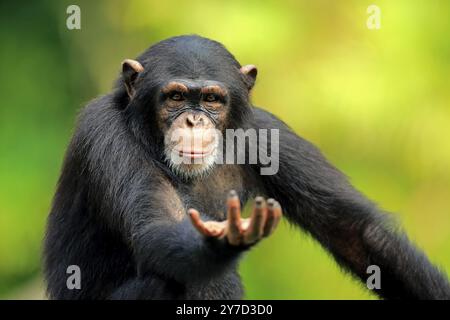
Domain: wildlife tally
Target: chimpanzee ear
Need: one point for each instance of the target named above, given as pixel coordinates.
(249, 71)
(130, 71)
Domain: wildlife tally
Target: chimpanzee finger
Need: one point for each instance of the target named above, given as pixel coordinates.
(278, 214)
(270, 221)
(257, 221)
(234, 235)
(197, 222)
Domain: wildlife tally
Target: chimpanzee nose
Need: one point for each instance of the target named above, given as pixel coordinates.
(194, 120)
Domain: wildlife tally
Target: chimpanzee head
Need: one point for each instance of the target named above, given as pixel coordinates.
(180, 95)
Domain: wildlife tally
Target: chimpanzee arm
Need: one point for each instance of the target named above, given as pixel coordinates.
(179, 252)
(318, 198)
(129, 193)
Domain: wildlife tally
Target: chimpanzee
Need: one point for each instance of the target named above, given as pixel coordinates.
(140, 224)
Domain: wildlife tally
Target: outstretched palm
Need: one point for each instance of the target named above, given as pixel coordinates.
(235, 229)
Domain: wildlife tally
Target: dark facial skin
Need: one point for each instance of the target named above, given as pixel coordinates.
(189, 113)
(200, 97)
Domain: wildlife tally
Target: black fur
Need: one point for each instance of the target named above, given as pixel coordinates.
(120, 214)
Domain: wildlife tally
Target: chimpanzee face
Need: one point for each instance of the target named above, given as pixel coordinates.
(192, 114)
(197, 90)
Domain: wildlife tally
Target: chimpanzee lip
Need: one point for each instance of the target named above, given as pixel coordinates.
(194, 153)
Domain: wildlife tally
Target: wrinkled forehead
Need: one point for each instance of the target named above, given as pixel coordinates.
(208, 66)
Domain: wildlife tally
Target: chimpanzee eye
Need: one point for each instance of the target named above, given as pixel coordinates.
(176, 96)
(211, 98)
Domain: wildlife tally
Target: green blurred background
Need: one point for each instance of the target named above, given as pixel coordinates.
(375, 101)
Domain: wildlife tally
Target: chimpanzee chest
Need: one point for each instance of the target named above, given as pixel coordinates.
(209, 194)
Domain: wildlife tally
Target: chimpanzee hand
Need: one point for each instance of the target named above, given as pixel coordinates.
(238, 231)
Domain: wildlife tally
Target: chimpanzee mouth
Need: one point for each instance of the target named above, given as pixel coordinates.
(190, 164)
(195, 154)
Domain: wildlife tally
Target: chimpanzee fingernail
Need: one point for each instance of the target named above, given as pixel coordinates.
(259, 201)
(232, 194)
(271, 203)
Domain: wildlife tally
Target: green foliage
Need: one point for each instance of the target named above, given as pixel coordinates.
(375, 101)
